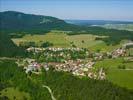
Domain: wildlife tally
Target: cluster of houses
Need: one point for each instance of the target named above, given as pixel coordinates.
(79, 67)
(118, 52)
(35, 49)
(59, 54)
(33, 67)
(128, 45)
(98, 56)
(72, 65)
(61, 49)
(29, 65)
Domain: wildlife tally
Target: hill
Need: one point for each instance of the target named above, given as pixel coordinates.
(7, 47)
(17, 22)
(12, 21)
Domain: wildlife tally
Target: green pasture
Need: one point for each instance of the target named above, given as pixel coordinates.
(63, 40)
(56, 39)
(121, 77)
(113, 63)
(14, 94)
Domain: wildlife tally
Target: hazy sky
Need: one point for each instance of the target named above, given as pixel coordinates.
(73, 9)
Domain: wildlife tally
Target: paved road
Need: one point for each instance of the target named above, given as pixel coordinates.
(50, 91)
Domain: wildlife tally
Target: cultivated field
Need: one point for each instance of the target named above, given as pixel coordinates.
(63, 40)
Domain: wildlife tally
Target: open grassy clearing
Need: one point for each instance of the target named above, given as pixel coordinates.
(113, 63)
(121, 77)
(103, 47)
(90, 42)
(63, 40)
(84, 40)
(57, 39)
(15, 94)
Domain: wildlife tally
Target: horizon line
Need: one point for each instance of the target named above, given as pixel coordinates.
(70, 18)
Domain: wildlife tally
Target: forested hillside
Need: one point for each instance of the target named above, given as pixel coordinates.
(8, 48)
(12, 21)
(64, 85)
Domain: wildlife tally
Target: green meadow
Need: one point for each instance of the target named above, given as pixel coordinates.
(113, 63)
(121, 77)
(56, 39)
(14, 94)
(63, 40)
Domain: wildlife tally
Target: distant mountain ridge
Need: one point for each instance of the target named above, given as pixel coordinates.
(96, 22)
(16, 21)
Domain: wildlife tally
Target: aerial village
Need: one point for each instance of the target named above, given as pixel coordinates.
(78, 61)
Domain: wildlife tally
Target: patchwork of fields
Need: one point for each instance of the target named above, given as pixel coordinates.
(64, 40)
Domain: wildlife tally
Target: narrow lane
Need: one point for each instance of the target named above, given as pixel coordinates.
(50, 91)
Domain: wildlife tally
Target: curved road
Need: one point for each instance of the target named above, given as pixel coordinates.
(50, 91)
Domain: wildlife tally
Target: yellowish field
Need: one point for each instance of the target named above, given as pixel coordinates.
(89, 40)
(15, 94)
(56, 39)
(64, 40)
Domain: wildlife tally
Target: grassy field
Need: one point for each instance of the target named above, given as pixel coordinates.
(56, 39)
(88, 40)
(15, 94)
(64, 40)
(113, 63)
(121, 77)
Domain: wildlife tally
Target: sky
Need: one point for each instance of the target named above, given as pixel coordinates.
(73, 9)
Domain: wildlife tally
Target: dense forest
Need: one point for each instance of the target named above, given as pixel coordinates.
(8, 48)
(64, 85)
